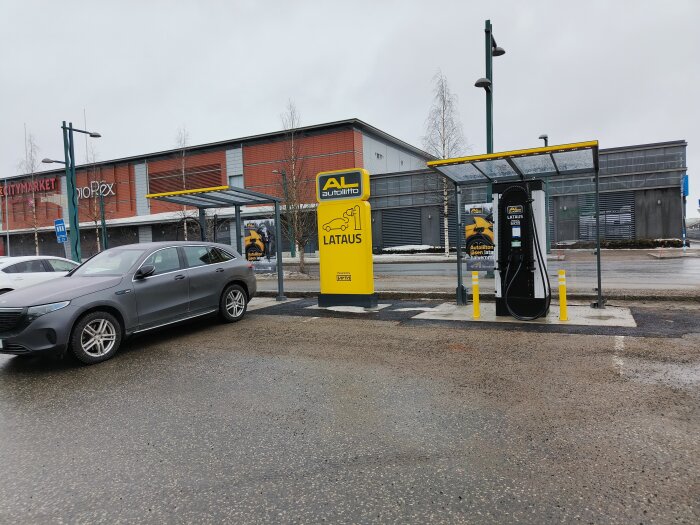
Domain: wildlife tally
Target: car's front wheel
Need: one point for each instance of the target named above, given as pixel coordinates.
(96, 337)
(233, 304)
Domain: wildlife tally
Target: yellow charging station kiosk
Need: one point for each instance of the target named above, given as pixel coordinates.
(345, 239)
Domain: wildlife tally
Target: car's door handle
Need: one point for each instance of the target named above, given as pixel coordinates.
(219, 270)
(179, 277)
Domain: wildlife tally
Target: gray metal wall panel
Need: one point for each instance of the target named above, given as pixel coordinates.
(617, 216)
(145, 234)
(377, 241)
(234, 166)
(381, 157)
(659, 214)
(401, 227)
(141, 186)
(430, 225)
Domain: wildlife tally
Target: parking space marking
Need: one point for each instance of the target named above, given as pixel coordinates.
(349, 309)
(258, 303)
(619, 348)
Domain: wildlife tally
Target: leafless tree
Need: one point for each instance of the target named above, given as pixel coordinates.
(444, 137)
(94, 176)
(29, 166)
(182, 141)
(297, 186)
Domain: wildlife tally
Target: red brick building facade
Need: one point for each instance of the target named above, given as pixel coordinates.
(252, 162)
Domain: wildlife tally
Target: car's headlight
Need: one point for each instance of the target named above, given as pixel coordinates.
(37, 311)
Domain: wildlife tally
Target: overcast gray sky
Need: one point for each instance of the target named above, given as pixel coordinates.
(622, 72)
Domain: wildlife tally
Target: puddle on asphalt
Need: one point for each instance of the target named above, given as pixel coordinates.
(677, 375)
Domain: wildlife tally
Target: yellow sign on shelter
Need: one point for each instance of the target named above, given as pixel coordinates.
(345, 238)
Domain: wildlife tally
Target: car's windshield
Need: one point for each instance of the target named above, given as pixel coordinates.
(116, 261)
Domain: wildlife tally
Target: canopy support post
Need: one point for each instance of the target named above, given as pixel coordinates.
(600, 302)
(278, 246)
(238, 230)
(203, 223)
(461, 290)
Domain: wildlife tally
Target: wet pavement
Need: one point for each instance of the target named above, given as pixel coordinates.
(299, 415)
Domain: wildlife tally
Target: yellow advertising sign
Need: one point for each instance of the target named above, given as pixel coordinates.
(345, 238)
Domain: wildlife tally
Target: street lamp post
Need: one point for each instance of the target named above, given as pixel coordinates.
(69, 153)
(491, 50)
(545, 137)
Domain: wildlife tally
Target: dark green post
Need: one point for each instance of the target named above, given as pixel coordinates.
(239, 245)
(489, 91)
(102, 220)
(74, 224)
(278, 257)
(202, 224)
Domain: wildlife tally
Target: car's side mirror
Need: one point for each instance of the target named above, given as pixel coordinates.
(144, 271)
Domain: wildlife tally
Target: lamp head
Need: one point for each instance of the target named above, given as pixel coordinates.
(498, 51)
(483, 83)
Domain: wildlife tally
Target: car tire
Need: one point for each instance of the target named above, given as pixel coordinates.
(96, 337)
(233, 303)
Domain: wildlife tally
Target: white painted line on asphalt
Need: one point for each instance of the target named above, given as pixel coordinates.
(619, 348)
(349, 309)
(418, 309)
(258, 303)
(309, 319)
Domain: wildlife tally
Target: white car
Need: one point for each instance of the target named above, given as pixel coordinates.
(19, 272)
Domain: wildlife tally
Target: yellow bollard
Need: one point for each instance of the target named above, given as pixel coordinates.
(563, 316)
(475, 295)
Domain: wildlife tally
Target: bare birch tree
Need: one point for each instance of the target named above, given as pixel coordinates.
(297, 187)
(29, 166)
(93, 179)
(182, 141)
(444, 137)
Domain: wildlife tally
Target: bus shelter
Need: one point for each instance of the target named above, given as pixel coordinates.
(543, 163)
(229, 197)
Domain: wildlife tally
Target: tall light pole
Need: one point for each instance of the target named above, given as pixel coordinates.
(545, 137)
(491, 50)
(69, 153)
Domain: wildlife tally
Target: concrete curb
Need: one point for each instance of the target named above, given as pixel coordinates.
(448, 296)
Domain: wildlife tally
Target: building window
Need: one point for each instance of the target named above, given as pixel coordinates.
(235, 181)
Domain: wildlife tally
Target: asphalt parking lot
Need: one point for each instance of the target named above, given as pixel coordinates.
(295, 415)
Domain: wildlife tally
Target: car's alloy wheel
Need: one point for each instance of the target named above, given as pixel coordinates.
(96, 337)
(234, 303)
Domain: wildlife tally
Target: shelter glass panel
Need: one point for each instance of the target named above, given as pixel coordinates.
(535, 165)
(496, 169)
(577, 160)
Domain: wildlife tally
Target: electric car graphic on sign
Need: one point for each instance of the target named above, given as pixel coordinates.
(342, 223)
(339, 223)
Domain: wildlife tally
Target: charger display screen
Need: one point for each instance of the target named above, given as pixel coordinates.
(515, 237)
